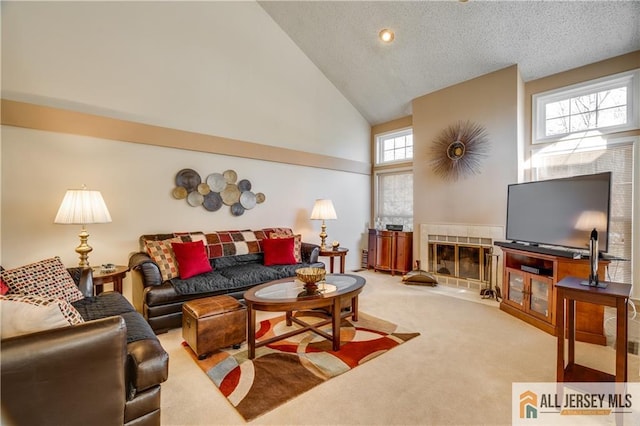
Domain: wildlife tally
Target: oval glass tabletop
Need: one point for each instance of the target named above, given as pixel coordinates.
(332, 285)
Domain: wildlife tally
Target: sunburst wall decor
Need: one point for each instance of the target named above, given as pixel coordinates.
(458, 150)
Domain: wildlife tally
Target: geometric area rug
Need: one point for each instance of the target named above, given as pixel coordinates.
(287, 368)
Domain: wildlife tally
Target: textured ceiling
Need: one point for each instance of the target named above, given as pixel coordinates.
(442, 43)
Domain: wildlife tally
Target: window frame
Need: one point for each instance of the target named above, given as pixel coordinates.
(630, 79)
(379, 141)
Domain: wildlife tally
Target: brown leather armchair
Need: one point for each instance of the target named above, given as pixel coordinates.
(85, 374)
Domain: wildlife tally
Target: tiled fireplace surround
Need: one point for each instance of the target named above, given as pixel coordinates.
(461, 255)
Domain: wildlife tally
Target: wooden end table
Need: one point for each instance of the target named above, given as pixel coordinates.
(331, 253)
(101, 278)
(615, 295)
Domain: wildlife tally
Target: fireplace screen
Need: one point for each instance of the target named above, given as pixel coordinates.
(463, 261)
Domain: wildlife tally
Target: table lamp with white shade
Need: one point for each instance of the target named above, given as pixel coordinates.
(83, 207)
(323, 210)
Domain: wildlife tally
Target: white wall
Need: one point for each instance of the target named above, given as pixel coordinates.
(217, 68)
(222, 68)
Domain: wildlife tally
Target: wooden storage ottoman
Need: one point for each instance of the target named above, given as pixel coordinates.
(212, 323)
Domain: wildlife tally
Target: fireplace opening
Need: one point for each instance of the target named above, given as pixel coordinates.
(465, 261)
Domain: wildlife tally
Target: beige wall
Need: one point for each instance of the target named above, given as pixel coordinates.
(201, 72)
(491, 101)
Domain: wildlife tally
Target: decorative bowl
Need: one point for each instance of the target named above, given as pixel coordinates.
(310, 277)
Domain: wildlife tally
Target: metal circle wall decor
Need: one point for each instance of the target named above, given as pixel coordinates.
(216, 190)
(458, 150)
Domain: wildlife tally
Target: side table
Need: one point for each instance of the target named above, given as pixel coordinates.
(331, 253)
(115, 277)
(615, 295)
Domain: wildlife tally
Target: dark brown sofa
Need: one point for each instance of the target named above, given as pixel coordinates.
(105, 371)
(161, 301)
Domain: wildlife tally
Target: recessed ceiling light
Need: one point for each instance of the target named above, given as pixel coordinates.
(386, 35)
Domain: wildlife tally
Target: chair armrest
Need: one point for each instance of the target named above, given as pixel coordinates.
(148, 365)
(72, 375)
(310, 252)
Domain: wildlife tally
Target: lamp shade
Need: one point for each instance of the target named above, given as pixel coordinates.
(590, 219)
(82, 206)
(323, 209)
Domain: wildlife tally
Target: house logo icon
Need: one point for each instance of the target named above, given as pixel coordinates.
(528, 405)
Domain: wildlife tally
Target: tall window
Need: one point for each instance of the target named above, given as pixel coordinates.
(395, 147)
(602, 106)
(595, 155)
(393, 179)
(395, 198)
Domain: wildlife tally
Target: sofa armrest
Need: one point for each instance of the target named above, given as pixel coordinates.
(149, 270)
(72, 375)
(83, 277)
(310, 252)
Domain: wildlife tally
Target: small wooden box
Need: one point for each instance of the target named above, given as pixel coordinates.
(213, 323)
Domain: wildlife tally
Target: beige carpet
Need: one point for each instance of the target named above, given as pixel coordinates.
(457, 372)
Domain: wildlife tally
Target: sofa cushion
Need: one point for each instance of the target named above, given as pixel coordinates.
(111, 304)
(104, 305)
(278, 251)
(192, 258)
(208, 282)
(297, 244)
(162, 253)
(249, 273)
(47, 278)
(25, 313)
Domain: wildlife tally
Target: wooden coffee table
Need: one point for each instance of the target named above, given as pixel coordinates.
(287, 295)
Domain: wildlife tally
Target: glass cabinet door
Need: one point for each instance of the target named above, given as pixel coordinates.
(540, 291)
(516, 288)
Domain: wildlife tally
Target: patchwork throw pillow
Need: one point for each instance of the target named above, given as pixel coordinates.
(297, 244)
(278, 251)
(24, 313)
(192, 258)
(47, 278)
(162, 253)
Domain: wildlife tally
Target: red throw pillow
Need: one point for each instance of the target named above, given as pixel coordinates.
(192, 258)
(278, 251)
(4, 288)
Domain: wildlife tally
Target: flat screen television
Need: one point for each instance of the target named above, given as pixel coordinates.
(560, 212)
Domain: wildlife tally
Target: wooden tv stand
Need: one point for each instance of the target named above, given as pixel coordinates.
(529, 291)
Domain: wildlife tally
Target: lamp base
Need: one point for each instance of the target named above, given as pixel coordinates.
(595, 284)
(84, 249)
(323, 236)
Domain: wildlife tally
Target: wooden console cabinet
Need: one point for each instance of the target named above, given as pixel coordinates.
(529, 292)
(390, 251)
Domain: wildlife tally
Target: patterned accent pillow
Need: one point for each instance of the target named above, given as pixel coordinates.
(47, 278)
(162, 253)
(297, 244)
(27, 313)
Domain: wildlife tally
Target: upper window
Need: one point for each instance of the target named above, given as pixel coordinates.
(601, 106)
(394, 147)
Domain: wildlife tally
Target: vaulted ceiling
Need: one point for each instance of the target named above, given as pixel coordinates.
(440, 43)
